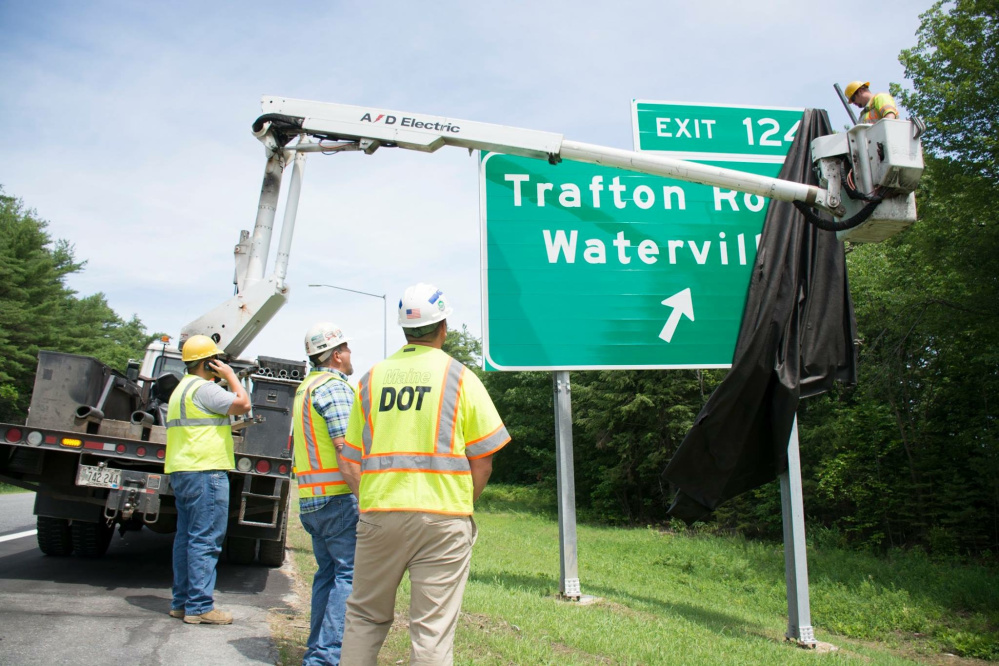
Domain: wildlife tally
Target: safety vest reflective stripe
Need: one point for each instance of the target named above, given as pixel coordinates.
(416, 462)
(318, 478)
(448, 415)
(173, 423)
(364, 388)
(350, 453)
(184, 421)
(486, 445)
(309, 428)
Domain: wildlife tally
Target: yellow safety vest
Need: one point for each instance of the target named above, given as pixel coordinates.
(315, 456)
(878, 107)
(419, 417)
(196, 440)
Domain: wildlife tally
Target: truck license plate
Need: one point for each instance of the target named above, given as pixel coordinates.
(101, 477)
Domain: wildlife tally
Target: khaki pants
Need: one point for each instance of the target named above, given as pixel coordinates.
(437, 551)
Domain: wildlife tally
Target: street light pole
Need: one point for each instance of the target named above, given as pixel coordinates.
(384, 311)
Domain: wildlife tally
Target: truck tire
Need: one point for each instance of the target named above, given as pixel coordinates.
(91, 539)
(272, 552)
(241, 550)
(54, 537)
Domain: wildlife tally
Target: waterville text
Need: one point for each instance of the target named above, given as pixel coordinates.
(562, 247)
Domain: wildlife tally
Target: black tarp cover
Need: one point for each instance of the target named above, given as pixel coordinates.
(796, 339)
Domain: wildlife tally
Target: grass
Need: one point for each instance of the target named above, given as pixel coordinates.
(685, 598)
(7, 489)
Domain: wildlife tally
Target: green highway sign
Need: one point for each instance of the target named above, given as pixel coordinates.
(591, 267)
(707, 131)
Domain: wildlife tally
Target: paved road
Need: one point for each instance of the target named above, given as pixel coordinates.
(69, 610)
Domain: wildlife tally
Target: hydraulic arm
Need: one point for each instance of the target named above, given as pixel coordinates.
(867, 177)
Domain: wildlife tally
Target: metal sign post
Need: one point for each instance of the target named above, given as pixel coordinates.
(799, 616)
(568, 585)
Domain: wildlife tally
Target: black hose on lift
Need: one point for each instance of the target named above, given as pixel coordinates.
(279, 120)
(872, 200)
(285, 127)
(829, 225)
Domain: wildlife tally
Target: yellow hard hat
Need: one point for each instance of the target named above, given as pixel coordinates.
(853, 86)
(198, 347)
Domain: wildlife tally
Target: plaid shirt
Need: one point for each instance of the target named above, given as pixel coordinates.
(333, 401)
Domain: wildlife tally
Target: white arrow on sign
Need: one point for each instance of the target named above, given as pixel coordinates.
(683, 305)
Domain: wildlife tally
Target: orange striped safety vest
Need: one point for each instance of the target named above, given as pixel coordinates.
(315, 457)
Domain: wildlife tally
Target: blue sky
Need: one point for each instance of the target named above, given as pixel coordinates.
(127, 126)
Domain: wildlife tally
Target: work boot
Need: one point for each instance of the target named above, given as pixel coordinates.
(214, 616)
(177, 613)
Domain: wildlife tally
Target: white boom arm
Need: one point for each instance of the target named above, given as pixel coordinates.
(372, 128)
(883, 159)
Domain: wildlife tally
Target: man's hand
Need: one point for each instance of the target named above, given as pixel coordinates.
(241, 405)
(350, 471)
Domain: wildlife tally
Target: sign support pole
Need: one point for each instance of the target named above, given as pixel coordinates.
(799, 617)
(568, 567)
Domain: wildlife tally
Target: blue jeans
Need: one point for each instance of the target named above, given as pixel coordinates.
(334, 534)
(202, 514)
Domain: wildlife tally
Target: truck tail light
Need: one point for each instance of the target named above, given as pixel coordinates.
(69, 441)
(13, 435)
(161, 453)
(244, 464)
(282, 468)
(141, 451)
(263, 466)
(120, 448)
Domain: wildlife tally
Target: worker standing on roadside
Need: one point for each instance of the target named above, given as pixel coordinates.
(327, 502)
(421, 435)
(199, 455)
(873, 107)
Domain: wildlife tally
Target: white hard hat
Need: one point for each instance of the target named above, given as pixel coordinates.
(423, 304)
(323, 337)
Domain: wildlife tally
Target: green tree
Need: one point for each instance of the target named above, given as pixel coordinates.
(524, 401)
(38, 311)
(954, 69)
(463, 346)
(99, 332)
(33, 299)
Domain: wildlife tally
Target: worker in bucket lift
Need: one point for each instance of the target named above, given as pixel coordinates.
(326, 498)
(872, 107)
(199, 455)
(422, 434)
